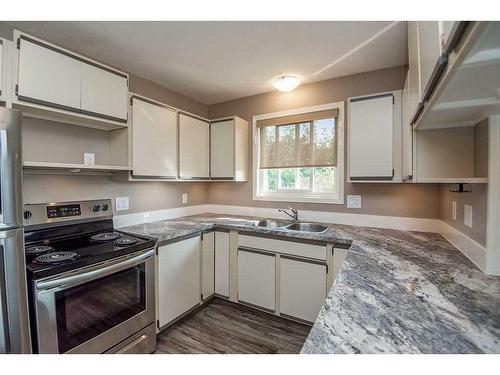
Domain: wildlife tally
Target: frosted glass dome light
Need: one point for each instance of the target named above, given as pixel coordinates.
(286, 83)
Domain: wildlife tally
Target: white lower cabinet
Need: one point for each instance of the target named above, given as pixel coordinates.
(302, 287)
(207, 265)
(222, 263)
(178, 278)
(257, 278)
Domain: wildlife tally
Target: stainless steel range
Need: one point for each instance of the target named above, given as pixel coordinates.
(91, 287)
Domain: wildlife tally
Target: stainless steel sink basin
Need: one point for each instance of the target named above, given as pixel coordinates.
(307, 227)
(273, 223)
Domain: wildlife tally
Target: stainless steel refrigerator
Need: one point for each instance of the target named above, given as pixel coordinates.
(14, 320)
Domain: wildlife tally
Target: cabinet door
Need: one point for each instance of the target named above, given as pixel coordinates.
(414, 90)
(371, 138)
(407, 131)
(154, 140)
(103, 92)
(257, 278)
(302, 288)
(1, 70)
(222, 263)
(207, 265)
(48, 76)
(193, 147)
(429, 47)
(178, 279)
(222, 149)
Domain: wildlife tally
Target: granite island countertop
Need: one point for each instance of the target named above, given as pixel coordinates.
(396, 292)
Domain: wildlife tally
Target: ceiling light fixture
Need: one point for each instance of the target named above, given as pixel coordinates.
(286, 83)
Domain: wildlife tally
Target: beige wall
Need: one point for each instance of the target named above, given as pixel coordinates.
(479, 202)
(379, 199)
(477, 198)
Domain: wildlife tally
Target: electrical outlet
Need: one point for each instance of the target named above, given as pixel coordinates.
(184, 198)
(468, 215)
(88, 158)
(454, 210)
(354, 201)
(122, 203)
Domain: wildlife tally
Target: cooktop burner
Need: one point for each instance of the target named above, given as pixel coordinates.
(32, 250)
(126, 241)
(87, 243)
(56, 257)
(104, 237)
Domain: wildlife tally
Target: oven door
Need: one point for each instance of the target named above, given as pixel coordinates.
(96, 308)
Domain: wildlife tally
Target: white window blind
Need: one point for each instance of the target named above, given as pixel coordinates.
(298, 141)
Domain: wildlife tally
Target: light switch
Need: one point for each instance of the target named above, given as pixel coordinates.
(454, 210)
(122, 203)
(468, 215)
(354, 201)
(184, 198)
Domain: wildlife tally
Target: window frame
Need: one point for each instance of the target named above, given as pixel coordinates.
(299, 195)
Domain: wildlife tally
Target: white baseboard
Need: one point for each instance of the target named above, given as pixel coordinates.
(487, 261)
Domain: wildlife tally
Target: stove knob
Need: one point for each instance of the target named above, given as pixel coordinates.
(104, 207)
(27, 214)
(96, 208)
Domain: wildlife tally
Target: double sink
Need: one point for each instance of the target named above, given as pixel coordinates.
(297, 227)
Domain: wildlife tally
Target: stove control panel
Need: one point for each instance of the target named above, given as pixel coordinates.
(63, 212)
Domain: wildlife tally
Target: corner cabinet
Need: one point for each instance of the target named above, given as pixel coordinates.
(60, 84)
(229, 149)
(154, 139)
(207, 265)
(374, 138)
(178, 279)
(194, 145)
(222, 264)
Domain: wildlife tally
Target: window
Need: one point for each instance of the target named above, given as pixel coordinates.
(298, 155)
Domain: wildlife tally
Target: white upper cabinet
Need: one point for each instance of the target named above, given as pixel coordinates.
(222, 149)
(414, 89)
(194, 138)
(429, 42)
(370, 133)
(229, 149)
(407, 132)
(47, 76)
(154, 139)
(68, 87)
(2, 67)
(104, 92)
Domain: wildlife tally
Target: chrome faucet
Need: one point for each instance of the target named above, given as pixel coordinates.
(294, 215)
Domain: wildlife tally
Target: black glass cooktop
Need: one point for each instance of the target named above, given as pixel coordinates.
(51, 252)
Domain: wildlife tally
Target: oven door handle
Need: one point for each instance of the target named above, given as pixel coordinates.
(65, 282)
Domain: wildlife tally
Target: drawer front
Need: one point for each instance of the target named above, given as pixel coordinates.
(283, 247)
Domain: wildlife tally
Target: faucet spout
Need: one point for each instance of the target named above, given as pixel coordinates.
(294, 214)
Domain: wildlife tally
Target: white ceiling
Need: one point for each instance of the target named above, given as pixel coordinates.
(217, 61)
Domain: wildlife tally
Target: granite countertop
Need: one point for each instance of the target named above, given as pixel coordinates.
(167, 230)
(396, 292)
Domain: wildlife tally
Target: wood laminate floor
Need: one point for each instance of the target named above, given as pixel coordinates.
(226, 327)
